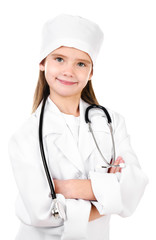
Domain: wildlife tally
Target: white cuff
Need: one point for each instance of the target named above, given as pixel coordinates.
(78, 211)
(106, 189)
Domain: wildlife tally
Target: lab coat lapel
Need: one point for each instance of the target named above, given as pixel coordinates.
(67, 145)
(86, 142)
(54, 123)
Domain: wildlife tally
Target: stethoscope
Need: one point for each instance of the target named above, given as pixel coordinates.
(58, 212)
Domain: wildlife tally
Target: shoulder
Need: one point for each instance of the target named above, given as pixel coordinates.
(116, 118)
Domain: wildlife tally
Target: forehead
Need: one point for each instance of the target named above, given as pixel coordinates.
(74, 52)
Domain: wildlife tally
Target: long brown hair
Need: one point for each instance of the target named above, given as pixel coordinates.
(42, 91)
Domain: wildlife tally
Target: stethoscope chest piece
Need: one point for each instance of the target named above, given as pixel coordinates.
(58, 210)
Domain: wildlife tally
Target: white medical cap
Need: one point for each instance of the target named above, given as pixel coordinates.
(71, 31)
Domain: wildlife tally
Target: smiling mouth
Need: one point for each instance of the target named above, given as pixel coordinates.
(66, 82)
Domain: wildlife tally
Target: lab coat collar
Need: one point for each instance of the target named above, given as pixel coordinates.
(86, 142)
(53, 118)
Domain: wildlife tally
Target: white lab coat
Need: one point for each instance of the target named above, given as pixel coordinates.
(115, 193)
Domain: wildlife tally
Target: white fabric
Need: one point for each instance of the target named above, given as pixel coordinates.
(98, 229)
(71, 31)
(74, 124)
(68, 161)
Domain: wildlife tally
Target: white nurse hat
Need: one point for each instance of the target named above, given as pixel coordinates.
(71, 31)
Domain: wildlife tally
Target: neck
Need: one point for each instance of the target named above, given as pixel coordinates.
(67, 105)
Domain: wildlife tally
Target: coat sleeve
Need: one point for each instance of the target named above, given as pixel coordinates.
(33, 205)
(119, 193)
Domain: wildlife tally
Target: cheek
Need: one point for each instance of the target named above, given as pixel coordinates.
(50, 73)
(87, 73)
(83, 76)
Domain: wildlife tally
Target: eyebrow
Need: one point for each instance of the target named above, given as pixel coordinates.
(78, 59)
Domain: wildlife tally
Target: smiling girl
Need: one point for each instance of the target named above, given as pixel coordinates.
(88, 194)
(67, 71)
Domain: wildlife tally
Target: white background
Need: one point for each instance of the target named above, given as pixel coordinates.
(123, 81)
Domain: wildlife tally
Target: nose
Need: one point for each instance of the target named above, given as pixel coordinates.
(68, 71)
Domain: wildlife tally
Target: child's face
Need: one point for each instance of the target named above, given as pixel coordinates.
(67, 71)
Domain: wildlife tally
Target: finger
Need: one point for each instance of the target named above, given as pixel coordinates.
(117, 169)
(117, 162)
(114, 169)
(120, 160)
(111, 169)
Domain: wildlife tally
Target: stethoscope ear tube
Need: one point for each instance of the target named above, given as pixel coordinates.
(109, 122)
(100, 107)
(53, 194)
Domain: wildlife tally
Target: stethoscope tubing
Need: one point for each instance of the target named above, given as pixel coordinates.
(49, 178)
(109, 122)
(99, 107)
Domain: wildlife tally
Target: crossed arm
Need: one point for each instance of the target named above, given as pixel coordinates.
(82, 189)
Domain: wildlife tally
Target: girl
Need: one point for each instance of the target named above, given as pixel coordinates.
(87, 193)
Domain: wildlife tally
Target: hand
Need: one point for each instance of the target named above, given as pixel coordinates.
(116, 169)
(94, 214)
